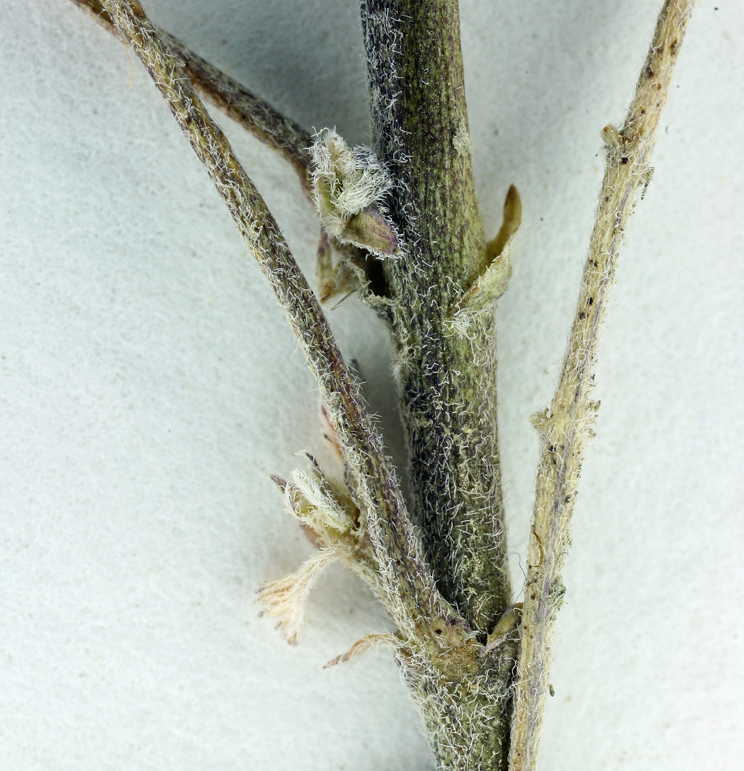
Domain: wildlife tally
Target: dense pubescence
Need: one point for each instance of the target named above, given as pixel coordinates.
(411, 204)
(445, 364)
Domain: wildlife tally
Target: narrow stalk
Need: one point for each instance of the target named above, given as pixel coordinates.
(446, 372)
(413, 599)
(567, 424)
(254, 114)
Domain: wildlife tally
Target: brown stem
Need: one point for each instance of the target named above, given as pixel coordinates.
(566, 426)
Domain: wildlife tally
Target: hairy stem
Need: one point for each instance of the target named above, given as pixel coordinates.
(566, 425)
(255, 115)
(446, 372)
(413, 599)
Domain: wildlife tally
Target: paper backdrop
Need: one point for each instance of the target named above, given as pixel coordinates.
(150, 385)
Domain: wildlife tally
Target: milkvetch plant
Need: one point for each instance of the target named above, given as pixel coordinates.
(400, 225)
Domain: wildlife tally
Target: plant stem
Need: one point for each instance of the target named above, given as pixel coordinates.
(567, 424)
(461, 669)
(446, 377)
(413, 599)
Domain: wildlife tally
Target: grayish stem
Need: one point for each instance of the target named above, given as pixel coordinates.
(446, 372)
(413, 599)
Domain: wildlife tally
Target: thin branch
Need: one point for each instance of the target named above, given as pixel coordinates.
(566, 425)
(412, 596)
(255, 115)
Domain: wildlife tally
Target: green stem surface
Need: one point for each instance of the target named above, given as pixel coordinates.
(446, 372)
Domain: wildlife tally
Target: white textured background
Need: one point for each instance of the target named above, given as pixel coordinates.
(149, 386)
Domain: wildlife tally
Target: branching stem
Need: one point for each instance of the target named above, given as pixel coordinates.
(461, 668)
(413, 599)
(567, 424)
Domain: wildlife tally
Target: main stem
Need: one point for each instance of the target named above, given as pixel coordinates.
(446, 372)
(446, 377)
